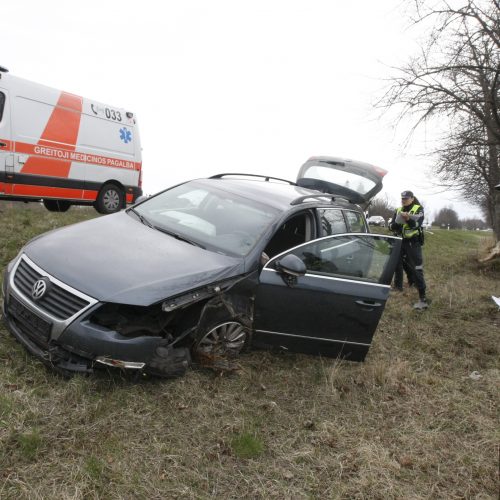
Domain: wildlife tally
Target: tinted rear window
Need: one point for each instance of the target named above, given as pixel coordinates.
(355, 221)
(332, 221)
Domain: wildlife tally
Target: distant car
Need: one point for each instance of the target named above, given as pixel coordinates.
(376, 220)
(205, 269)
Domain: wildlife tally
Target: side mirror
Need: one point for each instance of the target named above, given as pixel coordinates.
(290, 268)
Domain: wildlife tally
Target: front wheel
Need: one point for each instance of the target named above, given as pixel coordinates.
(110, 199)
(225, 339)
(56, 205)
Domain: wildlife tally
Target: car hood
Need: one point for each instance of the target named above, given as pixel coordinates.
(117, 259)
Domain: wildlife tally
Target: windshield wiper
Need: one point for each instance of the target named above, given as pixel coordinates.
(142, 218)
(178, 237)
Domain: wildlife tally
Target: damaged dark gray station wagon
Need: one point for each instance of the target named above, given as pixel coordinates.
(206, 269)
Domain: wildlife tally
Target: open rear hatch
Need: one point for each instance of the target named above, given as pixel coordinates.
(357, 181)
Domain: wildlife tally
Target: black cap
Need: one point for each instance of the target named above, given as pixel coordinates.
(407, 194)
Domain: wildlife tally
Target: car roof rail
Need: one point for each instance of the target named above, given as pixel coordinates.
(331, 198)
(267, 178)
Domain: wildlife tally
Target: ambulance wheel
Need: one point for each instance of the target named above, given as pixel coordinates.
(110, 199)
(56, 205)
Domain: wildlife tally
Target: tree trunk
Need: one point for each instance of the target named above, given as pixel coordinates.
(494, 179)
(496, 215)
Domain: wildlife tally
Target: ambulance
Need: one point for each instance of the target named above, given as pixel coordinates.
(63, 149)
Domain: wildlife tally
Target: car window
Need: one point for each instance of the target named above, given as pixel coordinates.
(294, 231)
(2, 104)
(355, 221)
(213, 218)
(349, 256)
(332, 221)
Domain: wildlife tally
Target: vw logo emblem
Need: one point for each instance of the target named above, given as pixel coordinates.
(39, 288)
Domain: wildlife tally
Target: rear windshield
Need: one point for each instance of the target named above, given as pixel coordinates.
(354, 182)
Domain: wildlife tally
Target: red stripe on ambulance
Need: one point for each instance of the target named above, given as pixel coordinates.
(62, 128)
(74, 156)
(51, 192)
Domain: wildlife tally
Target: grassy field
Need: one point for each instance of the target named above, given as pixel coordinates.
(410, 422)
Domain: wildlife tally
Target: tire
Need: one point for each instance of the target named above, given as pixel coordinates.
(169, 362)
(56, 205)
(110, 199)
(227, 339)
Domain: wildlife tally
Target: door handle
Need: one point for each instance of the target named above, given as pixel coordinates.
(363, 303)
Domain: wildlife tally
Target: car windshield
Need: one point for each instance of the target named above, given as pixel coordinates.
(209, 217)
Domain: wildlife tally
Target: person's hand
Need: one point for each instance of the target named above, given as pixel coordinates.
(405, 216)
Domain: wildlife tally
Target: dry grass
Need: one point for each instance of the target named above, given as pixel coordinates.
(407, 423)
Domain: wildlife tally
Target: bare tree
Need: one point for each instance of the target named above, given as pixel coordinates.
(456, 78)
(473, 224)
(381, 206)
(448, 218)
(462, 163)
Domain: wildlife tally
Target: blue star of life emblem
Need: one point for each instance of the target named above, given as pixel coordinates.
(125, 135)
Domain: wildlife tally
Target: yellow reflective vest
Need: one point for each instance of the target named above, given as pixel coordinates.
(406, 230)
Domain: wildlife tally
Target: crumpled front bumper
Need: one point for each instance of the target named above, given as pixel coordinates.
(81, 344)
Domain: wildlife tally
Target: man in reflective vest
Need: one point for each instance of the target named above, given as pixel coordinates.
(407, 222)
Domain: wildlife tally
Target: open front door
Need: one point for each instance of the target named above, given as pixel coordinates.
(334, 307)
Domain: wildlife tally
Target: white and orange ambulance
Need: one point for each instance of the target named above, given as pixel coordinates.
(66, 150)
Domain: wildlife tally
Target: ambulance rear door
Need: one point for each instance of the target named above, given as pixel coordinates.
(6, 144)
(108, 136)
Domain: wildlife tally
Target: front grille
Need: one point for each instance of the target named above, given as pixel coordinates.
(29, 323)
(57, 301)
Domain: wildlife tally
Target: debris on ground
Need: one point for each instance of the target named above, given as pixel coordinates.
(494, 253)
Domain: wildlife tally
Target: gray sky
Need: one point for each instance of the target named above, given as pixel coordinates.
(227, 85)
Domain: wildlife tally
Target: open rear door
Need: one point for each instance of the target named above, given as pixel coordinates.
(357, 181)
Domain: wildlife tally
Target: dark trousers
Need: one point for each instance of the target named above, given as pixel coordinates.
(412, 263)
(402, 266)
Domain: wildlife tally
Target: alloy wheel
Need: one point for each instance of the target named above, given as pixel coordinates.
(226, 339)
